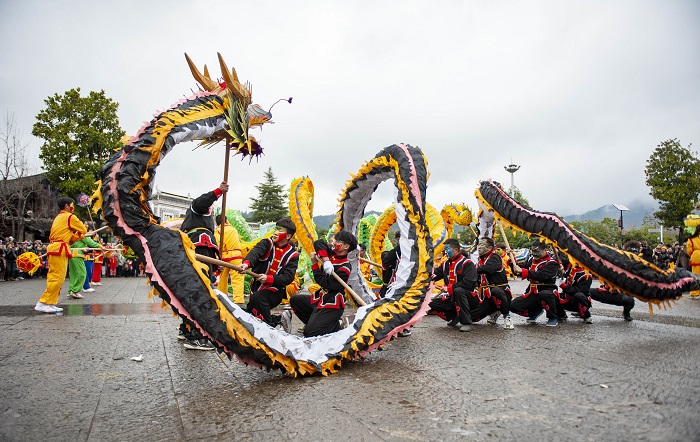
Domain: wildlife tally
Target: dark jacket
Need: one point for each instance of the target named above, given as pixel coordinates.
(261, 260)
(464, 273)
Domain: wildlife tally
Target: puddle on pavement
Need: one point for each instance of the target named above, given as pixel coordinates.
(87, 310)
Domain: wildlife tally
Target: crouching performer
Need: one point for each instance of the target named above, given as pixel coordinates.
(541, 270)
(322, 309)
(493, 283)
(458, 297)
(573, 296)
(608, 295)
(275, 260)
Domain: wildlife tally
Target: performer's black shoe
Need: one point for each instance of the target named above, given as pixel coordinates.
(404, 333)
(626, 315)
(198, 344)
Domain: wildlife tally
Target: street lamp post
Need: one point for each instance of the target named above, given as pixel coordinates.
(621, 208)
(511, 169)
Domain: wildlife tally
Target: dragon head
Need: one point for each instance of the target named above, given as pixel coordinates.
(241, 113)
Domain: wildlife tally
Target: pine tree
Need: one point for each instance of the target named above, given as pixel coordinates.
(271, 203)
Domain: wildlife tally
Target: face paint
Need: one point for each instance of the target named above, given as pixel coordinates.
(448, 252)
(537, 253)
(71, 208)
(337, 246)
(483, 248)
(280, 235)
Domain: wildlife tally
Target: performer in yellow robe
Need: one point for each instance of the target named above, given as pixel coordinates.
(231, 253)
(65, 230)
(501, 250)
(692, 228)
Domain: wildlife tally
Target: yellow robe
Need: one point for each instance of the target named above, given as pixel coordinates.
(693, 249)
(65, 230)
(231, 252)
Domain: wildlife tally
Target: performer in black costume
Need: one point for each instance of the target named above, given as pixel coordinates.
(322, 310)
(275, 260)
(459, 297)
(199, 226)
(541, 270)
(493, 285)
(609, 295)
(573, 296)
(390, 263)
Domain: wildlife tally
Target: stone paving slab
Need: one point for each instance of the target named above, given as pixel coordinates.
(71, 377)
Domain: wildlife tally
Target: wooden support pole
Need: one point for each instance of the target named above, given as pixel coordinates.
(223, 199)
(219, 262)
(371, 262)
(505, 240)
(357, 298)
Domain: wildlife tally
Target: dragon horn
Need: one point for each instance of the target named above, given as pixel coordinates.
(224, 68)
(232, 83)
(206, 81)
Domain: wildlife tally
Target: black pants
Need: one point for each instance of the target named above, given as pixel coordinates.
(262, 301)
(613, 298)
(533, 304)
(462, 304)
(578, 302)
(500, 300)
(317, 321)
(187, 327)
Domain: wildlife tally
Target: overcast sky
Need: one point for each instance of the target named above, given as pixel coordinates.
(578, 93)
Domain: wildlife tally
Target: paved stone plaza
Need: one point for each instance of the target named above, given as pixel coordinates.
(71, 377)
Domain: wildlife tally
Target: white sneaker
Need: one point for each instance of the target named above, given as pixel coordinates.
(96, 283)
(47, 308)
(88, 290)
(508, 323)
(44, 308)
(287, 321)
(75, 295)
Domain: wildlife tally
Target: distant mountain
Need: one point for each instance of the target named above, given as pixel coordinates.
(322, 221)
(632, 218)
(325, 221)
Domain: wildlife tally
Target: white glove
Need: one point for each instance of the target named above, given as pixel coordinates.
(327, 267)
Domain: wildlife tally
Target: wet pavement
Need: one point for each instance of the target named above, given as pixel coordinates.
(71, 377)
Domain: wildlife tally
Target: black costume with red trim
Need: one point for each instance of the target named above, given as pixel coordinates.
(461, 299)
(493, 284)
(608, 295)
(279, 264)
(390, 262)
(542, 291)
(199, 226)
(321, 310)
(573, 296)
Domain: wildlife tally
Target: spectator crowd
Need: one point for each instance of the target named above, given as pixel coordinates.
(115, 263)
